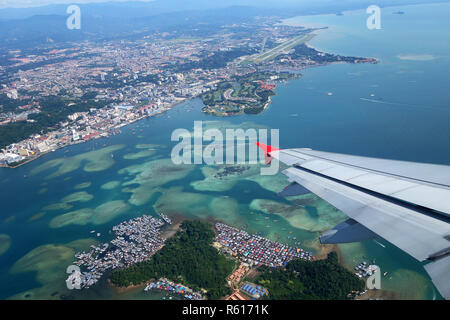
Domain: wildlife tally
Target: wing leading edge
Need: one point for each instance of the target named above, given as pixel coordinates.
(405, 203)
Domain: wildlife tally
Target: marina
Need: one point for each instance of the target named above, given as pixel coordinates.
(165, 218)
(364, 270)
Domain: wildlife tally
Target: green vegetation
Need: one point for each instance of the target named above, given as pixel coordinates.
(212, 98)
(302, 51)
(11, 105)
(322, 279)
(242, 94)
(187, 257)
(217, 60)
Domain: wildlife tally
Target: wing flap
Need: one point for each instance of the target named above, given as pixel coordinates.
(294, 189)
(347, 231)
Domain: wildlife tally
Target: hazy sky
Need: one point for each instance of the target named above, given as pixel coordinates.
(36, 3)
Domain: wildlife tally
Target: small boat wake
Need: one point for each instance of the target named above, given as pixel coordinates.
(380, 244)
(404, 104)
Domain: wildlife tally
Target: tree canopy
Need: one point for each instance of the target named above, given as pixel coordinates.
(312, 280)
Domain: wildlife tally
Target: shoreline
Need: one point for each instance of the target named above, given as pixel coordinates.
(171, 229)
(168, 232)
(100, 136)
(123, 290)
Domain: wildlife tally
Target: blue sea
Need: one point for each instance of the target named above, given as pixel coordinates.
(396, 109)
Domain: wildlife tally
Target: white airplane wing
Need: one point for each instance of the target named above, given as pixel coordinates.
(406, 203)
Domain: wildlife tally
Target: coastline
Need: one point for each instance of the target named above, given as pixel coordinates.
(181, 100)
(122, 290)
(102, 135)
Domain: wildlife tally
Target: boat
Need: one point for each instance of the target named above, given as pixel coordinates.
(165, 218)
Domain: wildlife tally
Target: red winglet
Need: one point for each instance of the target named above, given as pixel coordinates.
(267, 149)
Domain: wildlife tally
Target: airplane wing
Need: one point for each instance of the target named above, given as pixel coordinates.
(406, 203)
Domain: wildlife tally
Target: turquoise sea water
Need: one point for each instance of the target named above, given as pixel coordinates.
(398, 109)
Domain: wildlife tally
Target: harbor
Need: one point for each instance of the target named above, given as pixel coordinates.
(165, 218)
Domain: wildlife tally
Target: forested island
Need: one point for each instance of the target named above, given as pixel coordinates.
(311, 280)
(187, 257)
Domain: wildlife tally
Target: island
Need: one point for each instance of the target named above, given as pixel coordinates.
(198, 260)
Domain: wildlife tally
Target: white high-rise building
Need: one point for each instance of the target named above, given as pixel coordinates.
(75, 135)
